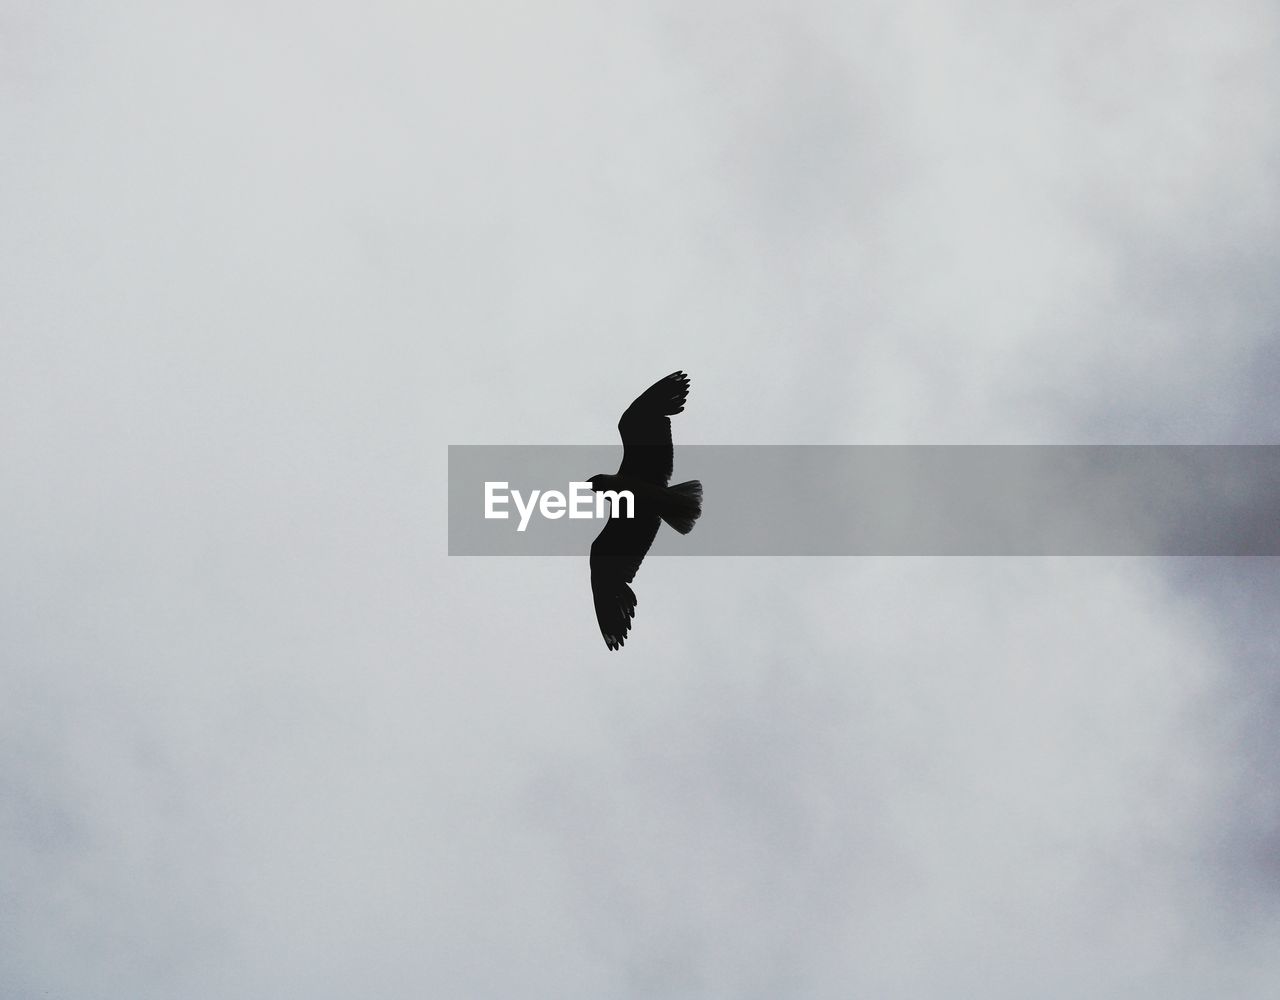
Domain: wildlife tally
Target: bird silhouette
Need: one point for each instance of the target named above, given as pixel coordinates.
(647, 461)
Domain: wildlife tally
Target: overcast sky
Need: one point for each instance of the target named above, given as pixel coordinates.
(262, 262)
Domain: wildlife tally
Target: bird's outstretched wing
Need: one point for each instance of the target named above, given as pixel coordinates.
(615, 556)
(646, 429)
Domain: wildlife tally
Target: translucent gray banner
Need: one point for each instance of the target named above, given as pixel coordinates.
(997, 500)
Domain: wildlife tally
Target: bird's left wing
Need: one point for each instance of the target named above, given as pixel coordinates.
(646, 429)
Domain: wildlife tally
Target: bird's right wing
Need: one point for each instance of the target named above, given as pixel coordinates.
(616, 555)
(646, 429)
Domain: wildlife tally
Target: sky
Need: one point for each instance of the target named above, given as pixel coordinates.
(261, 737)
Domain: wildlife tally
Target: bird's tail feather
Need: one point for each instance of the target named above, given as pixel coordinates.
(683, 505)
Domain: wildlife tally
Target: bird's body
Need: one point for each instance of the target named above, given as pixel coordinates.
(647, 494)
(647, 462)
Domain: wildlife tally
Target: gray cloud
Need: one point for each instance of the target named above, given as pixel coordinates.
(264, 738)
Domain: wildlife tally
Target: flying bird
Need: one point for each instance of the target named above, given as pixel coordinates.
(647, 461)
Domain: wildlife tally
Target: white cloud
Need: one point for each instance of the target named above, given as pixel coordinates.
(264, 738)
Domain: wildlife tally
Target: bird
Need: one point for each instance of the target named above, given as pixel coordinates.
(647, 463)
